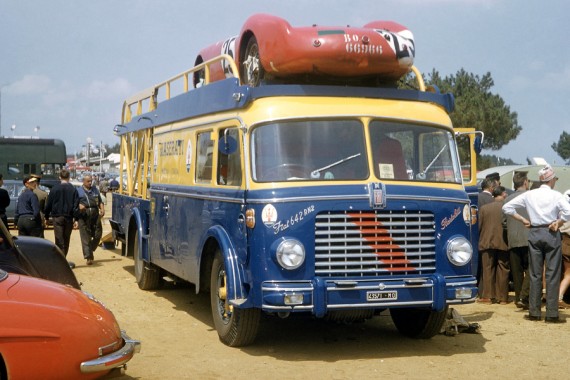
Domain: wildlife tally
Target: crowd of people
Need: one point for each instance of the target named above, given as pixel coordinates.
(524, 235)
(66, 206)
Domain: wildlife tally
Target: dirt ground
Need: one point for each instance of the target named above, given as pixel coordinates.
(180, 342)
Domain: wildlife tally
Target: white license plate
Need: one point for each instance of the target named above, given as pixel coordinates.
(385, 296)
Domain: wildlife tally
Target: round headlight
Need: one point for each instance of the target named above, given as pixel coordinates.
(459, 251)
(290, 254)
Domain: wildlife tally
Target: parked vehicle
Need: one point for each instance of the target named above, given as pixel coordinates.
(338, 201)
(20, 157)
(14, 187)
(52, 331)
(34, 257)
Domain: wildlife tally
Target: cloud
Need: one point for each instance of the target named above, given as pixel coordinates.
(538, 77)
(119, 87)
(557, 80)
(29, 85)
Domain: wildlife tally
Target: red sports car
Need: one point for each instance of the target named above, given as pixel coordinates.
(269, 48)
(53, 331)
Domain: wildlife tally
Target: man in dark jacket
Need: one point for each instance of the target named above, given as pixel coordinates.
(91, 210)
(27, 216)
(518, 245)
(62, 204)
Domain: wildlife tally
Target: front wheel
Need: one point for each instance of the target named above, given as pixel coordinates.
(236, 327)
(147, 275)
(418, 323)
(252, 71)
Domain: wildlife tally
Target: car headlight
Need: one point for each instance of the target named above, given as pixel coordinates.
(290, 254)
(459, 251)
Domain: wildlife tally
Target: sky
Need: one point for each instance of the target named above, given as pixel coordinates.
(66, 66)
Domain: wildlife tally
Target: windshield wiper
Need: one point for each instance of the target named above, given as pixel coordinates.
(422, 175)
(317, 172)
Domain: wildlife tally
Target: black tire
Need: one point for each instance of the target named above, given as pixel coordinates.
(147, 275)
(417, 322)
(236, 327)
(252, 72)
(199, 76)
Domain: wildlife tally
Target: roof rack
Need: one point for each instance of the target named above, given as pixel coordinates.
(151, 94)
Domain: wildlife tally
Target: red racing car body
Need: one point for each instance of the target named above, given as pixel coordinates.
(53, 331)
(268, 47)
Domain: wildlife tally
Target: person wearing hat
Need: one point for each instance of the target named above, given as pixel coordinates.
(486, 195)
(547, 211)
(42, 198)
(27, 215)
(494, 283)
(494, 177)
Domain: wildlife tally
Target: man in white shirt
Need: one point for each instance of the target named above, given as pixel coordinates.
(547, 210)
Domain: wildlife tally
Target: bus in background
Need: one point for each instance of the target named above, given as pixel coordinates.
(20, 157)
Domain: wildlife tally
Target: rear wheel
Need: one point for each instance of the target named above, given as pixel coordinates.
(252, 72)
(146, 274)
(418, 323)
(236, 327)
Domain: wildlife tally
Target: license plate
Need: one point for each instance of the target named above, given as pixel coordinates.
(375, 296)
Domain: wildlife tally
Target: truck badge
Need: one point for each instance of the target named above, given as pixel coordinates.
(377, 193)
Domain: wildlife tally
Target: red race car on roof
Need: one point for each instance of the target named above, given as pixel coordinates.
(269, 48)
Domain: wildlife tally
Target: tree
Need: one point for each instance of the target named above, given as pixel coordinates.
(476, 107)
(562, 147)
(113, 149)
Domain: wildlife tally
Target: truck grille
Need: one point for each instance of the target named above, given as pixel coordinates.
(371, 243)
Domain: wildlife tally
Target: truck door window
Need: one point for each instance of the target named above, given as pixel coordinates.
(204, 153)
(229, 158)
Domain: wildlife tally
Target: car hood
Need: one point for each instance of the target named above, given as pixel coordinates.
(36, 302)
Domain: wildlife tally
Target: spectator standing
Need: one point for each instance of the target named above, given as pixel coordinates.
(517, 239)
(27, 216)
(42, 198)
(62, 204)
(113, 185)
(486, 194)
(565, 282)
(494, 251)
(104, 186)
(90, 211)
(4, 201)
(547, 210)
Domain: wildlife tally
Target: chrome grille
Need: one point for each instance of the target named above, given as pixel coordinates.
(370, 243)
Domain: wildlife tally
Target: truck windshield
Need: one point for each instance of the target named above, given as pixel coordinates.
(323, 150)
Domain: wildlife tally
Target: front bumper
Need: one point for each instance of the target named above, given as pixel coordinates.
(322, 295)
(115, 359)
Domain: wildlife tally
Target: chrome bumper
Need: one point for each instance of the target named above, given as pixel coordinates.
(114, 360)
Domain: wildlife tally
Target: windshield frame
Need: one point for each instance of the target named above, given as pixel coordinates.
(318, 173)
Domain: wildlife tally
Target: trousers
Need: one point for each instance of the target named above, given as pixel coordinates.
(90, 231)
(29, 226)
(519, 270)
(544, 252)
(62, 228)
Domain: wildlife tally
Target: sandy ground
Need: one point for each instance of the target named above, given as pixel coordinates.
(180, 342)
